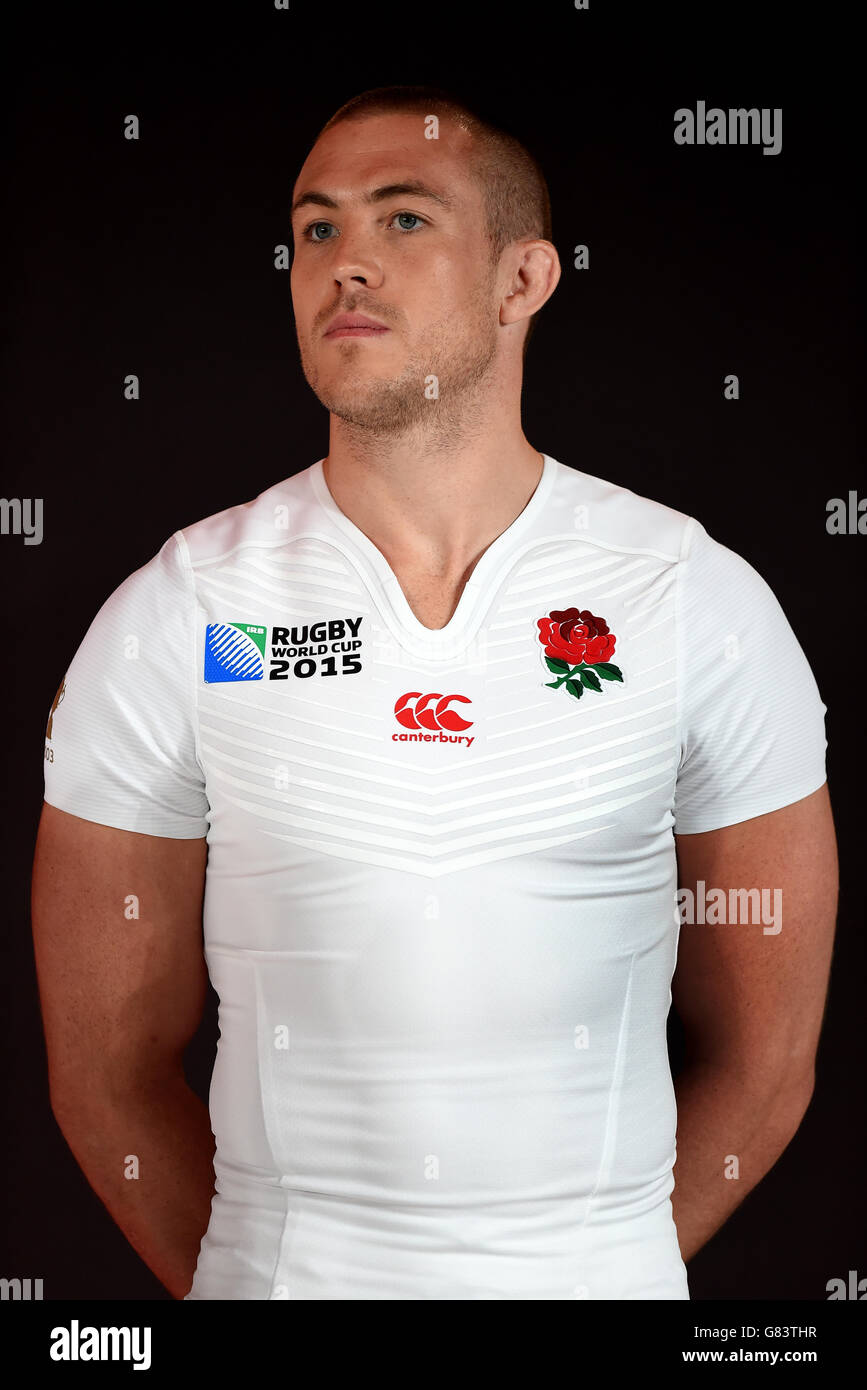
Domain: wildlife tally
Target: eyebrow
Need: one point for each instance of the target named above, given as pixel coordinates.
(413, 188)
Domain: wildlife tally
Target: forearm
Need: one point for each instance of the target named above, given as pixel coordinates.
(148, 1157)
(731, 1129)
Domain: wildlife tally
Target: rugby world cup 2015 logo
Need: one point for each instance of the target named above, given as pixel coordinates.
(287, 652)
(234, 652)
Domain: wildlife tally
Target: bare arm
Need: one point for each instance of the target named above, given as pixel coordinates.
(117, 928)
(752, 1005)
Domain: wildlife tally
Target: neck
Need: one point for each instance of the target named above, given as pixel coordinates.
(434, 498)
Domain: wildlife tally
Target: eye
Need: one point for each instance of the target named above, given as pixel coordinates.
(316, 226)
(414, 217)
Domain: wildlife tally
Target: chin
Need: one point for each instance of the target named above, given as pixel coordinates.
(357, 388)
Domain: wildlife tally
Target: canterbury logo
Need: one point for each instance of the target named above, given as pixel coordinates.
(414, 710)
(423, 717)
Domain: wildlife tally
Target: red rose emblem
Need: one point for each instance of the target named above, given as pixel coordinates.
(577, 646)
(576, 635)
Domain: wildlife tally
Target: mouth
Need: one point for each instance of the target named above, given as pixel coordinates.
(354, 326)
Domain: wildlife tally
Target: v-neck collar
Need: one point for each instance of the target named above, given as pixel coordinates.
(448, 640)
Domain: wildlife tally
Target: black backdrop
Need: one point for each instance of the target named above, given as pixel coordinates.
(156, 257)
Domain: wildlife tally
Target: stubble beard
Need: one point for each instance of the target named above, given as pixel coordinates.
(387, 407)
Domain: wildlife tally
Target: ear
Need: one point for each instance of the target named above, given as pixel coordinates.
(534, 278)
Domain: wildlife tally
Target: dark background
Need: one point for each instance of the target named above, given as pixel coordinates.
(156, 257)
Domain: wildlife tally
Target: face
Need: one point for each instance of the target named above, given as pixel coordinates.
(416, 261)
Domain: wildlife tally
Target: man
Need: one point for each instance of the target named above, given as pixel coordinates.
(429, 725)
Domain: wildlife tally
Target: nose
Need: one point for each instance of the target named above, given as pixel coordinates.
(355, 260)
(359, 272)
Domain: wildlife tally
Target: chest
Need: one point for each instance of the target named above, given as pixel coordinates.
(330, 731)
(432, 599)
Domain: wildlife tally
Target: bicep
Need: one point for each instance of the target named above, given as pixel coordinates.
(752, 993)
(118, 944)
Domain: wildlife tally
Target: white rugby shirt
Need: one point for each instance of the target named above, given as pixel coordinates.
(440, 893)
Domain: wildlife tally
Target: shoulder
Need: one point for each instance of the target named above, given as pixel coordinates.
(283, 510)
(166, 583)
(617, 518)
(602, 512)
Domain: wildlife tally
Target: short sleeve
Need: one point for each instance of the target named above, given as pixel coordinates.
(752, 730)
(121, 735)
